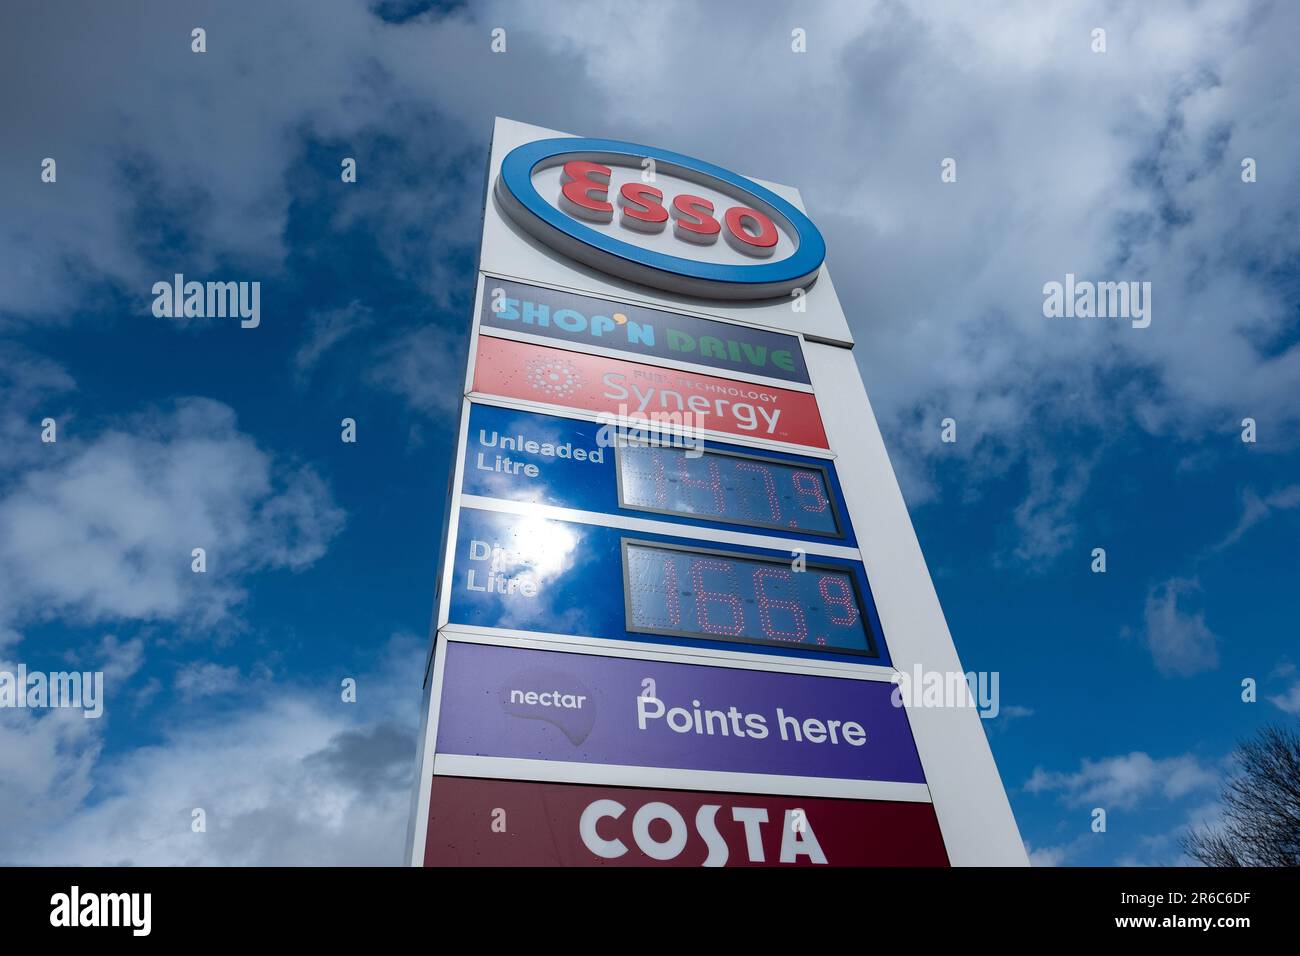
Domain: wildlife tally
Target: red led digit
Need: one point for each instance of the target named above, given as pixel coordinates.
(705, 597)
(661, 479)
(766, 603)
(843, 599)
(672, 597)
(810, 487)
(712, 484)
(769, 485)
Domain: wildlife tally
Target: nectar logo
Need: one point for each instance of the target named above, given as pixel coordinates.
(554, 697)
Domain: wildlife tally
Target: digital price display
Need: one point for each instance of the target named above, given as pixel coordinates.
(743, 489)
(692, 592)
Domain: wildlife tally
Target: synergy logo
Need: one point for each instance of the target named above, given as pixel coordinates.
(554, 378)
(565, 193)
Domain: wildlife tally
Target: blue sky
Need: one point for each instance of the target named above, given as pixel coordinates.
(1119, 690)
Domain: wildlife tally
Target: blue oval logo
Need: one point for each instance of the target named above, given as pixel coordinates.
(755, 222)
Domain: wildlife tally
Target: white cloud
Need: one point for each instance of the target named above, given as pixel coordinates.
(425, 367)
(295, 778)
(206, 679)
(1047, 855)
(32, 388)
(1180, 641)
(1007, 715)
(1256, 508)
(48, 759)
(171, 161)
(327, 329)
(1124, 781)
(106, 532)
(1288, 700)
(1045, 517)
(120, 660)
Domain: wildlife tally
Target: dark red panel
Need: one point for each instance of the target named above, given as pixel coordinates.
(476, 822)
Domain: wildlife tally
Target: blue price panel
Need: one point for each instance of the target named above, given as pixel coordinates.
(545, 459)
(526, 573)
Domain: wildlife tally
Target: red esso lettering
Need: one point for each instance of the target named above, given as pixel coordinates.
(750, 232)
(797, 837)
(643, 208)
(584, 194)
(692, 220)
(583, 188)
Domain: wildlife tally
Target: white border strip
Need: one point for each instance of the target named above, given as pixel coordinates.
(418, 832)
(616, 775)
(664, 526)
(448, 568)
(674, 308)
(581, 414)
(668, 653)
(570, 345)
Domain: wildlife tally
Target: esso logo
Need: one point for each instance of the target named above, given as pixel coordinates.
(659, 218)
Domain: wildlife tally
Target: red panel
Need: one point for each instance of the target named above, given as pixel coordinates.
(598, 384)
(517, 823)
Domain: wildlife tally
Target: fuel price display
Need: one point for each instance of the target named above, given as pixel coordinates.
(742, 489)
(689, 592)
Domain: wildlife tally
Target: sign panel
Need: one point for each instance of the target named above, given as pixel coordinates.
(548, 824)
(527, 704)
(641, 472)
(630, 390)
(641, 331)
(518, 572)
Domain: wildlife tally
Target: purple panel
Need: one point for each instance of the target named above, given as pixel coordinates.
(602, 710)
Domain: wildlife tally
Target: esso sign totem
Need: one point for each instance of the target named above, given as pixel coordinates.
(659, 218)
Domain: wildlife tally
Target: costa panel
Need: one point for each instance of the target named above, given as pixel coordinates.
(518, 572)
(550, 824)
(532, 714)
(597, 383)
(641, 331)
(533, 458)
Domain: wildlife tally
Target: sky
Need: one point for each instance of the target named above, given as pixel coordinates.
(1120, 690)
